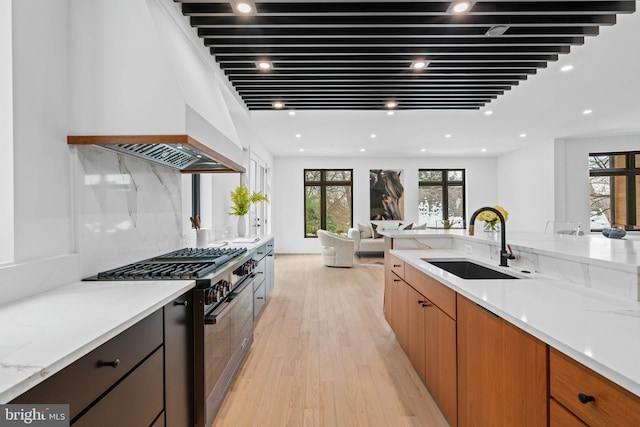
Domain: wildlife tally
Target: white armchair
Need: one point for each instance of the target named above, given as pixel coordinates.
(337, 251)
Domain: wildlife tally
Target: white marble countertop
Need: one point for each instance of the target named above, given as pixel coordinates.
(592, 248)
(43, 334)
(596, 329)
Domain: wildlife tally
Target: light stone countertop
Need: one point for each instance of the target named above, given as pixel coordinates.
(598, 330)
(43, 334)
(592, 248)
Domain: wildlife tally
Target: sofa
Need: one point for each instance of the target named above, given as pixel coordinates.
(337, 251)
(366, 237)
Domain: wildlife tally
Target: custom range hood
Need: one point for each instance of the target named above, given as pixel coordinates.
(181, 152)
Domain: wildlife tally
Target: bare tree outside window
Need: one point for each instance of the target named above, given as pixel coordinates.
(613, 190)
(328, 200)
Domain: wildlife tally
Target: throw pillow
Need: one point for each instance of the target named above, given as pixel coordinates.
(408, 227)
(365, 231)
(420, 227)
(374, 230)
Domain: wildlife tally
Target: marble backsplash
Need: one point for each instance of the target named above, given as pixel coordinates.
(124, 210)
(127, 209)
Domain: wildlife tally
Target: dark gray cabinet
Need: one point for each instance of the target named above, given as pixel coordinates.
(143, 376)
(263, 285)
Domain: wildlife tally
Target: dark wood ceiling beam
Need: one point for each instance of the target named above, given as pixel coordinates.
(263, 42)
(380, 50)
(408, 58)
(377, 73)
(398, 66)
(412, 8)
(458, 31)
(401, 21)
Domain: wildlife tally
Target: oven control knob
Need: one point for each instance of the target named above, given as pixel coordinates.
(225, 286)
(210, 296)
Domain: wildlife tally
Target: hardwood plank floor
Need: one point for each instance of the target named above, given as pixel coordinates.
(323, 355)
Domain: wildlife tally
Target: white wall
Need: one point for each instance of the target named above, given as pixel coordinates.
(572, 180)
(6, 134)
(42, 179)
(525, 187)
(288, 203)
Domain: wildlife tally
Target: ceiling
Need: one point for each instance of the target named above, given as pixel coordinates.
(548, 105)
(359, 55)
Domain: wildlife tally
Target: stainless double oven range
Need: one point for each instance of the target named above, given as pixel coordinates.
(222, 314)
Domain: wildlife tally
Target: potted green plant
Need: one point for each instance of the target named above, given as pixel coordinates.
(241, 199)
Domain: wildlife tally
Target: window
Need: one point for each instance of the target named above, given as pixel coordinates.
(614, 190)
(328, 200)
(441, 197)
(195, 195)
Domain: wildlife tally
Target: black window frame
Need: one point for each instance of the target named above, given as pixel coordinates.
(631, 170)
(195, 196)
(445, 184)
(323, 184)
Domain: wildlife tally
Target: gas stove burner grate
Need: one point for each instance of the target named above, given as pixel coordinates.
(201, 254)
(159, 271)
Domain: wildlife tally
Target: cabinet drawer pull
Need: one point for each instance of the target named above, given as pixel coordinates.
(185, 303)
(397, 280)
(260, 297)
(585, 398)
(424, 303)
(397, 265)
(113, 364)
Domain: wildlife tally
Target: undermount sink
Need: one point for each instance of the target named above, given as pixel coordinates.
(469, 270)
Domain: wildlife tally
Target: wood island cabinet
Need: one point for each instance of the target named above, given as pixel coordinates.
(484, 371)
(502, 371)
(426, 333)
(586, 397)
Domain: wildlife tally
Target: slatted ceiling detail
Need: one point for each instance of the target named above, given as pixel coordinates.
(356, 55)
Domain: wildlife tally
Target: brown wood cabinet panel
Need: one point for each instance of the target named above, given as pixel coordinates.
(394, 264)
(416, 330)
(441, 360)
(388, 295)
(612, 405)
(82, 382)
(178, 355)
(441, 295)
(400, 316)
(502, 371)
(134, 402)
(559, 416)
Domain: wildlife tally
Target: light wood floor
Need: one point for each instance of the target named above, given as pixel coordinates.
(323, 355)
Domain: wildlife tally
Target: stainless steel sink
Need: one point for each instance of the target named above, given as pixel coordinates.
(469, 270)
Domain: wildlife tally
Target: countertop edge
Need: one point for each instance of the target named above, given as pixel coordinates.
(545, 336)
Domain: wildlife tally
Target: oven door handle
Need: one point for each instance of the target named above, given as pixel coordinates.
(220, 312)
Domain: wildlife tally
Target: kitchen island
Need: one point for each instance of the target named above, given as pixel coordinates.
(552, 301)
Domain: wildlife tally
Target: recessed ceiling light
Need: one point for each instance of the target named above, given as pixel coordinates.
(587, 112)
(244, 7)
(264, 65)
(373, 135)
(523, 135)
(497, 30)
(362, 149)
(390, 113)
(461, 6)
(419, 65)
(302, 149)
(448, 135)
(298, 135)
(423, 149)
(484, 150)
(392, 104)
(566, 68)
(488, 113)
(278, 105)
(292, 113)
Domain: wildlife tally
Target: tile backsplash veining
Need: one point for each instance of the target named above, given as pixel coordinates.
(128, 209)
